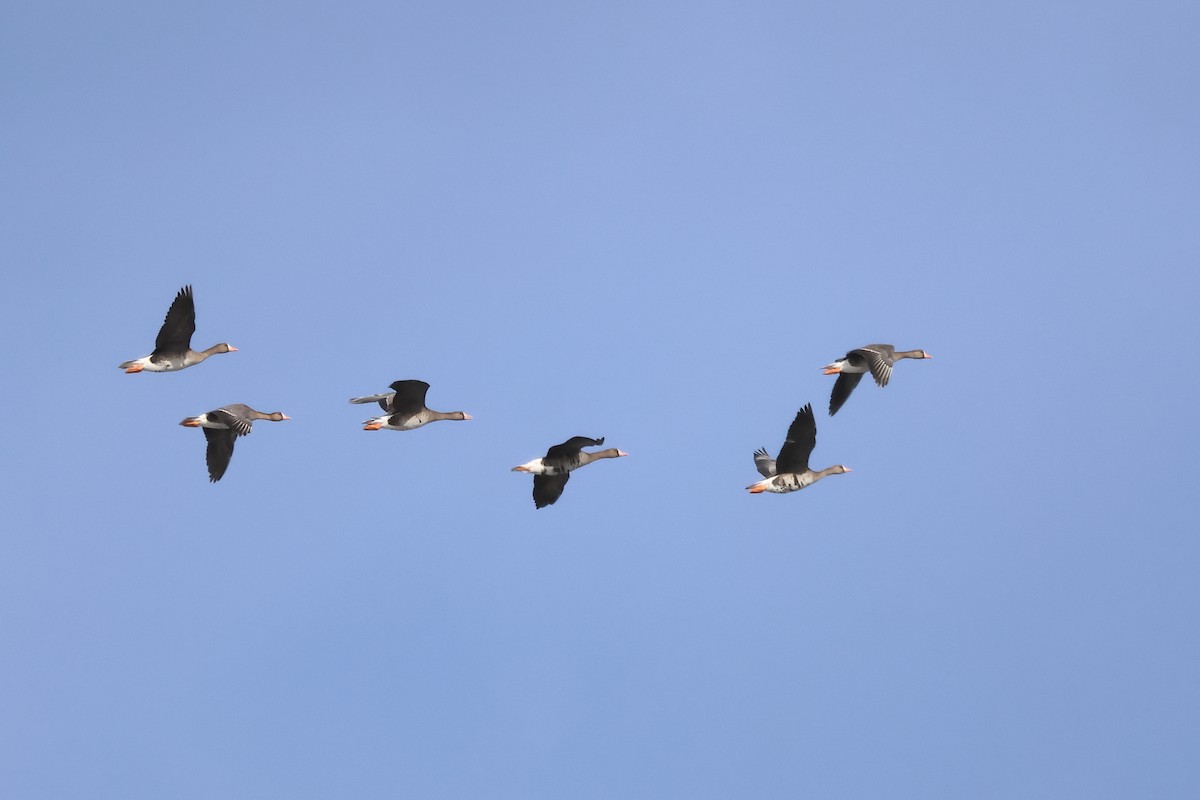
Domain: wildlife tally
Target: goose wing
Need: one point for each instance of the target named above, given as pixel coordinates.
(548, 488)
(801, 439)
(235, 417)
(764, 463)
(842, 387)
(374, 398)
(219, 451)
(175, 335)
(409, 398)
(572, 446)
(566, 456)
(880, 358)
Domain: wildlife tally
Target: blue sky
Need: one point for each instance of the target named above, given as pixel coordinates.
(648, 222)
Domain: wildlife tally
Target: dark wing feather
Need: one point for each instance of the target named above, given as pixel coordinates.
(842, 387)
(548, 488)
(409, 398)
(386, 402)
(801, 439)
(880, 358)
(220, 450)
(175, 335)
(571, 447)
(232, 416)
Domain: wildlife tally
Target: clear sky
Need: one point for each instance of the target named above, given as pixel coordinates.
(652, 222)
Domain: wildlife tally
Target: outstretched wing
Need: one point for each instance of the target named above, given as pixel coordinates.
(175, 335)
(571, 447)
(409, 398)
(548, 488)
(235, 417)
(220, 451)
(764, 463)
(801, 439)
(373, 398)
(880, 358)
(842, 387)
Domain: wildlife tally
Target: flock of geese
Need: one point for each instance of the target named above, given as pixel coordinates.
(405, 410)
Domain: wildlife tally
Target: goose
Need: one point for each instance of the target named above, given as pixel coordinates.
(221, 429)
(173, 347)
(551, 471)
(874, 358)
(405, 407)
(790, 472)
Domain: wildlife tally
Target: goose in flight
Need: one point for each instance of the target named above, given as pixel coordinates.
(551, 471)
(405, 407)
(221, 429)
(790, 472)
(874, 358)
(173, 347)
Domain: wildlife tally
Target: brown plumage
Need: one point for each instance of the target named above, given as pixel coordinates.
(173, 346)
(874, 358)
(790, 472)
(551, 471)
(222, 427)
